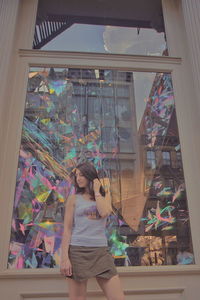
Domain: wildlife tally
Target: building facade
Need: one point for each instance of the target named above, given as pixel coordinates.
(131, 106)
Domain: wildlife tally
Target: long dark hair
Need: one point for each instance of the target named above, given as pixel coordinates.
(89, 172)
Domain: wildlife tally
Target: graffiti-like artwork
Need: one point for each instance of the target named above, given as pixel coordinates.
(74, 115)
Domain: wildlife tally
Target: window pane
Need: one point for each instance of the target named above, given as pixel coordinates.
(151, 159)
(128, 129)
(130, 27)
(166, 158)
(178, 160)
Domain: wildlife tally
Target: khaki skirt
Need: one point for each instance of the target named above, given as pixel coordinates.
(90, 262)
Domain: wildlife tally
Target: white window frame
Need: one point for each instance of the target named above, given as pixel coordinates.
(183, 90)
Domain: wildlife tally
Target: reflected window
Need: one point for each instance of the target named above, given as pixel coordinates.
(130, 27)
(179, 159)
(166, 158)
(151, 159)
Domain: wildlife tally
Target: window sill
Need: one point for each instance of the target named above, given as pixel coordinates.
(177, 270)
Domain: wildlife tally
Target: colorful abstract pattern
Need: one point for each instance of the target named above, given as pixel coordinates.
(54, 140)
(160, 129)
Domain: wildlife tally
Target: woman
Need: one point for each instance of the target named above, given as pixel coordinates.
(84, 252)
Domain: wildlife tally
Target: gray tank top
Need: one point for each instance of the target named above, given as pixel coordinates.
(88, 226)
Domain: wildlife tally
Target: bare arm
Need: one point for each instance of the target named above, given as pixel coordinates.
(65, 266)
(103, 203)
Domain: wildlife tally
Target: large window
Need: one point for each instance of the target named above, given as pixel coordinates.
(107, 117)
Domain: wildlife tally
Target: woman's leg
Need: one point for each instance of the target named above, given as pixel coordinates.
(111, 288)
(77, 289)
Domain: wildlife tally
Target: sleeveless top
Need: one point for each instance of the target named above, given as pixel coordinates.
(88, 226)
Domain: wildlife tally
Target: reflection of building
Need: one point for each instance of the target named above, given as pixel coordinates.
(99, 107)
(106, 101)
(165, 210)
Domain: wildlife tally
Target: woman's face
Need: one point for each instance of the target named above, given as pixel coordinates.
(81, 180)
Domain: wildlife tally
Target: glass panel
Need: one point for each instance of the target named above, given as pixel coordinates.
(130, 27)
(166, 158)
(151, 159)
(125, 123)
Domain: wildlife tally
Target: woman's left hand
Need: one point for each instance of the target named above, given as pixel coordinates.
(96, 185)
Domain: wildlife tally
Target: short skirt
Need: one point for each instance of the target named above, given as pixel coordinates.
(90, 262)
